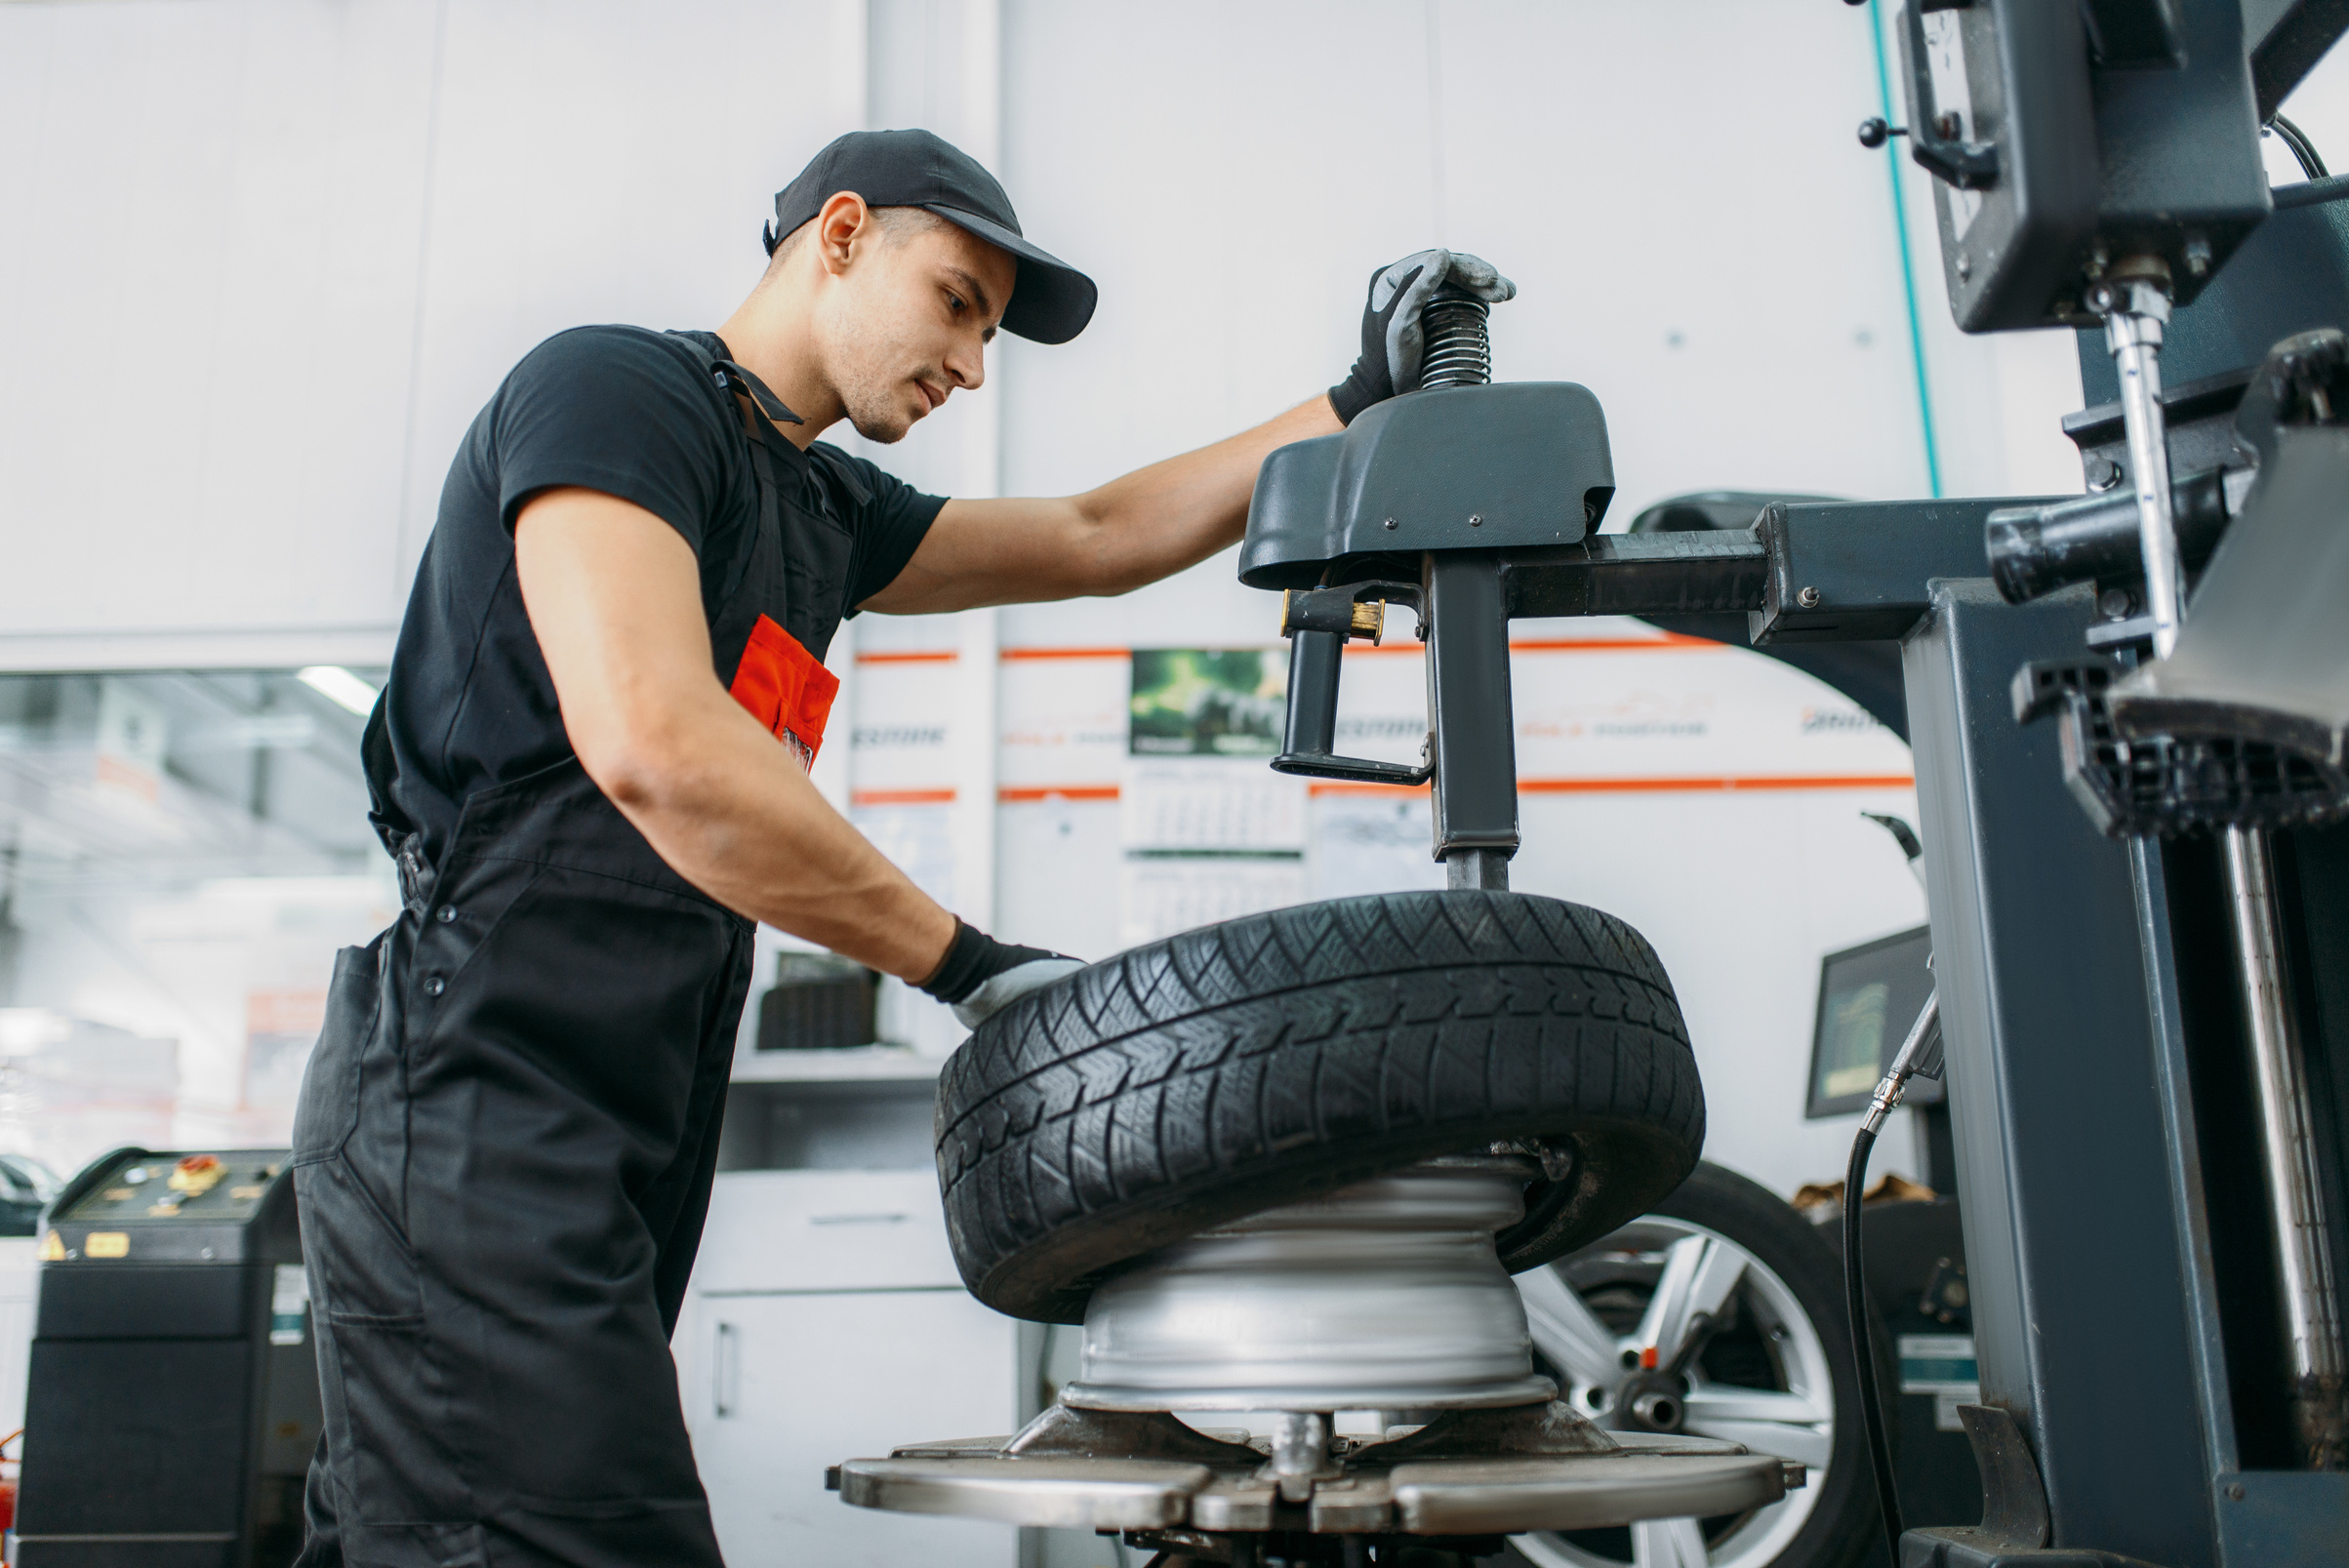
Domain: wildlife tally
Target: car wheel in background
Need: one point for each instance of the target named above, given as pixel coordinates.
(1728, 1263)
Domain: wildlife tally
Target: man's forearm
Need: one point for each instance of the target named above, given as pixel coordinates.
(730, 811)
(614, 596)
(1147, 525)
(1158, 520)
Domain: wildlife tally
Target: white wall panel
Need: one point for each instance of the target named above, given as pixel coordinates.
(1229, 173)
(267, 260)
(606, 161)
(1695, 234)
(207, 288)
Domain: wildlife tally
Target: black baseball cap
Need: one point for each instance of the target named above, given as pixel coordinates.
(1051, 301)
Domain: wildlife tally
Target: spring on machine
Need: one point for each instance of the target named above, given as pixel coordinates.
(1459, 343)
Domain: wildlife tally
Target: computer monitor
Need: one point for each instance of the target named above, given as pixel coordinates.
(1869, 997)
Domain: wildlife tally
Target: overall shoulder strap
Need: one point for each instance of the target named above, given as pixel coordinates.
(731, 614)
(843, 469)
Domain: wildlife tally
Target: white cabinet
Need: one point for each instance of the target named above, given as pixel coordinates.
(825, 1322)
(20, 1287)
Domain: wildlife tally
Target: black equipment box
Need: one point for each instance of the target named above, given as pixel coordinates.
(2063, 138)
(173, 1400)
(818, 1002)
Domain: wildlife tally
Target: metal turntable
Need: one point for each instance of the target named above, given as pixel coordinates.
(1385, 1296)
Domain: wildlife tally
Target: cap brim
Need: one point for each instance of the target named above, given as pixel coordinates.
(1051, 301)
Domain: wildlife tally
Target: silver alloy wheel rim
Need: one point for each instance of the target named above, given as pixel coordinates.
(1702, 1270)
(1383, 1295)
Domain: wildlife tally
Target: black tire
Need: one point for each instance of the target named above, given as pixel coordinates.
(1251, 1063)
(1841, 1525)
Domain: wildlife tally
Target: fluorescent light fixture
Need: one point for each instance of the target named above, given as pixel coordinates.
(340, 686)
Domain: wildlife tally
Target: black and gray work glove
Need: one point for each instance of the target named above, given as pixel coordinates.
(981, 975)
(1392, 344)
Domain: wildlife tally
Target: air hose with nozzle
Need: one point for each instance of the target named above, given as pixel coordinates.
(1919, 1051)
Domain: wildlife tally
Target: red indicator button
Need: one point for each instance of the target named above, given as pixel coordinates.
(197, 1175)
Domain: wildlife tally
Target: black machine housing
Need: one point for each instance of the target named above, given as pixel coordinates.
(1419, 501)
(173, 1401)
(2063, 137)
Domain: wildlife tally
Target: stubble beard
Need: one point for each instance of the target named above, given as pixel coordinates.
(876, 408)
(872, 399)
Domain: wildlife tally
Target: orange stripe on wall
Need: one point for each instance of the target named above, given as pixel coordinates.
(1350, 787)
(1645, 787)
(1016, 794)
(901, 797)
(1670, 641)
(909, 656)
(1667, 642)
(1821, 781)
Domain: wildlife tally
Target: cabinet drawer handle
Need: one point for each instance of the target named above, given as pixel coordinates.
(725, 1369)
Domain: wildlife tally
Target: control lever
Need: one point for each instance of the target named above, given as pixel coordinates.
(1938, 142)
(1318, 622)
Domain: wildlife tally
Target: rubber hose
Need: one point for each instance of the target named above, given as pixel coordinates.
(1863, 1348)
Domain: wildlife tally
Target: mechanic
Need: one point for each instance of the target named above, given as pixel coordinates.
(589, 763)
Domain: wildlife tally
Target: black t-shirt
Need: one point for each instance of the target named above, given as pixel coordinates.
(634, 414)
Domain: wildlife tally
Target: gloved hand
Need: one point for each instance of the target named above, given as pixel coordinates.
(981, 975)
(1393, 344)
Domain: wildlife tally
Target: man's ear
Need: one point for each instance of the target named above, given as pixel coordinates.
(843, 225)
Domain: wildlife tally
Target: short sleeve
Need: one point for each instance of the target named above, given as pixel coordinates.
(618, 409)
(890, 526)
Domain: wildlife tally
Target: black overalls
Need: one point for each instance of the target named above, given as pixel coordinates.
(506, 1135)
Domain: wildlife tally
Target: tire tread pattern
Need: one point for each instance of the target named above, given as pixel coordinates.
(1217, 1072)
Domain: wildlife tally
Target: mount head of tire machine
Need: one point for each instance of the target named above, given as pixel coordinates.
(1415, 504)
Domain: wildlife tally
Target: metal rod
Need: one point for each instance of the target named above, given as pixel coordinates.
(1300, 1452)
(1905, 1063)
(1474, 806)
(1487, 868)
(2295, 1197)
(2135, 312)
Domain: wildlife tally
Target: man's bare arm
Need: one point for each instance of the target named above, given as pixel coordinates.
(614, 595)
(1134, 530)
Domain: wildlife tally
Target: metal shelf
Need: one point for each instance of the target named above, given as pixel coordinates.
(888, 1064)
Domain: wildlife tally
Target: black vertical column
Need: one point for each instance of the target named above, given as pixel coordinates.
(2080, 1322)
(1469, 709)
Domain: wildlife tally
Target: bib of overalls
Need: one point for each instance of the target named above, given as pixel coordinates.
(787, 586)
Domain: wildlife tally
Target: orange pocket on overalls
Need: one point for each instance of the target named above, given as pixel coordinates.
(786, 688)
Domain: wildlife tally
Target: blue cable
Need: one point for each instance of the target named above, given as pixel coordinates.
(1908, 271)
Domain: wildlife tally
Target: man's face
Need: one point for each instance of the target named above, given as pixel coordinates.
(910, 321)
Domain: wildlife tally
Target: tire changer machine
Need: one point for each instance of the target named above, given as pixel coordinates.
(2129, 714)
